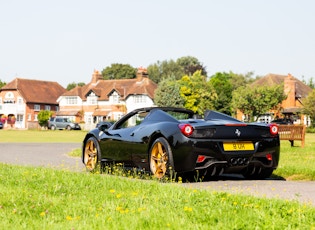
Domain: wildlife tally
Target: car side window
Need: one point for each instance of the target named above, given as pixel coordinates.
(132, 121)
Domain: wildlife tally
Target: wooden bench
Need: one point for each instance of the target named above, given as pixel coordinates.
(292, 133)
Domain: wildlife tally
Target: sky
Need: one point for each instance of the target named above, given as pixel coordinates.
(66, 40)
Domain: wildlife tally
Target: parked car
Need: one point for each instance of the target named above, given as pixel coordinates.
(62, 123)
(165, 139)
(1, 125)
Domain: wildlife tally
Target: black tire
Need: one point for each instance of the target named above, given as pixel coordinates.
(53, 127)
(161, 159)
(92, 155)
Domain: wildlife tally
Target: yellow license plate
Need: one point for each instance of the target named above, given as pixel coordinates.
(238, 146)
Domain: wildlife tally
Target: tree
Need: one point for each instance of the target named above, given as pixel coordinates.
(72, 85)
(182, 66)
(197, 93)
(165, 69)
(309, 106)
(119, 71)
(224, 84)
(2, 83)
(221, 82)
(310, 82)
(190, 65)
(254, 101)
(168, 93)
(43, 117)
(238, 80)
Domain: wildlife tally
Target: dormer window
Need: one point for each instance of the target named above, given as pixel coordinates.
(71, 100)
(139, 98)
(92, 99)
(115, 98)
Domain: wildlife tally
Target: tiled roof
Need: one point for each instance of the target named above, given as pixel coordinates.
(275, 79)
(124, 87)
(36, 91)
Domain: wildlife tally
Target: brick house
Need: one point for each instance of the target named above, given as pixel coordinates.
(22, 99)
(291, 107)
(106, 99)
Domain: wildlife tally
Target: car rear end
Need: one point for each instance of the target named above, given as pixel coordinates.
(229, 147)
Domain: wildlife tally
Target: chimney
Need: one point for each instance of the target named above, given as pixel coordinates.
(141, 73)
(96, 77)
(290, 91)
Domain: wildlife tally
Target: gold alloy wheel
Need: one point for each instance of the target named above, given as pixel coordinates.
(158, 160)
(90, 155)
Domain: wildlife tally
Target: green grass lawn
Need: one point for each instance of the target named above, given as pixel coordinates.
(42, 136)
(297, 163)
(43, 198)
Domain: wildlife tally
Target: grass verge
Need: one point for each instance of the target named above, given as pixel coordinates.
(42, 136)
(41, 198)
(297, 163)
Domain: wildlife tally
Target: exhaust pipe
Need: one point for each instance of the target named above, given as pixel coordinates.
(239, 161)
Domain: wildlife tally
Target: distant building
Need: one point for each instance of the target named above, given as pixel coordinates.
(22, 99)
(107, 99)
(291, 107)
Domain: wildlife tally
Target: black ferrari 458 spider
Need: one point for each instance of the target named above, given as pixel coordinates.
(161, 139)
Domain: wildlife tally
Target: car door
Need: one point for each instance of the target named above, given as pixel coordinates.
(59, 123)
(120, 143)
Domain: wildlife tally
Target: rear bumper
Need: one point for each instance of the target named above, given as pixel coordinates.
(266, 155)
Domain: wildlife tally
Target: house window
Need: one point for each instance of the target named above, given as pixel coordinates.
(139, 98)
(36, 107)
(9, 98)
(35, 117)
(71, 100)
(19, 117)
(57, 108)
(29, 117)
(115, 98)
(92, 99)
(20, 101)
(47, 107)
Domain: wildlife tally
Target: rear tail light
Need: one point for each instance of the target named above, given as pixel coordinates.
(269, 156)
(201, 158)
(274, 128)
(186, 129)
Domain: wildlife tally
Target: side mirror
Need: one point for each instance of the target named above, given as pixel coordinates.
(103, 127)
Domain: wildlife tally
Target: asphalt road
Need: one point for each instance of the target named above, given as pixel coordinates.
(55, 155)
(41, 154)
